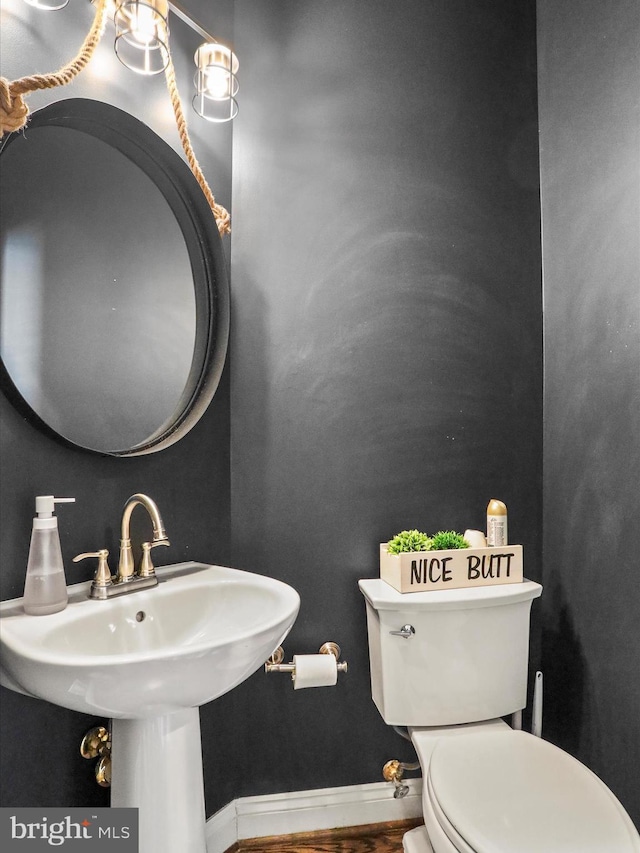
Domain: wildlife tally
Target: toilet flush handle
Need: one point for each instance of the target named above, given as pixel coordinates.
(407, 631)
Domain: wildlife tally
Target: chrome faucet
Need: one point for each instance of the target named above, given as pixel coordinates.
(127, 579)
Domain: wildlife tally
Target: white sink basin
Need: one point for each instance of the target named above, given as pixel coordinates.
(198, 634)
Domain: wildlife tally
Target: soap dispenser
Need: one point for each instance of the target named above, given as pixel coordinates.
(45, 588)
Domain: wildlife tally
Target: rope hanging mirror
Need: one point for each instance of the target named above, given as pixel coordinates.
(14, 111)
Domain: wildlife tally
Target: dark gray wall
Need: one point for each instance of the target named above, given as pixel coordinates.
(386, 331)
(386, 358)
(189, 481)
(589, 68)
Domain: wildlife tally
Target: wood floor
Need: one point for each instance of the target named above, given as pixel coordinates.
(376, 838)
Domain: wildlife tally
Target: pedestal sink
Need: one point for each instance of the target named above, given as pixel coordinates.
(148, 660)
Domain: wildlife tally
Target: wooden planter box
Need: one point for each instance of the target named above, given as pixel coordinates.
(422, 571)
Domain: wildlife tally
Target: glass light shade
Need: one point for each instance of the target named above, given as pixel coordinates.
(216, 82)
(48, 5)
(142, 35)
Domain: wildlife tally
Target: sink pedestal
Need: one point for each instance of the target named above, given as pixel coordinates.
(156, 767)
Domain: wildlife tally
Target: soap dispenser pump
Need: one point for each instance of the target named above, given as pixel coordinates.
(45, 588)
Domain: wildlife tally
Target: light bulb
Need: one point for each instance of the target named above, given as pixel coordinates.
(143, 24)
(217, 82)
(48, 5)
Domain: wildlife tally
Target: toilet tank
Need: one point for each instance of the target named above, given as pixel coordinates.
(466, 660)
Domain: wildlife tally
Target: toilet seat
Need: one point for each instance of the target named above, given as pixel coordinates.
(500, 792)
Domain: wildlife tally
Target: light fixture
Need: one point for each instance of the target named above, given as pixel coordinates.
(142, 44)
(216, 82)
(142, 35)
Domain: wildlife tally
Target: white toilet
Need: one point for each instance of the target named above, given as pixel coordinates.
(448, 665)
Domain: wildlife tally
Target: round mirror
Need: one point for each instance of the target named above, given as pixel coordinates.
(114, 304)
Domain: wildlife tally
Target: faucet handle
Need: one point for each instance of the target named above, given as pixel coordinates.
(146, 566)
(103, 574)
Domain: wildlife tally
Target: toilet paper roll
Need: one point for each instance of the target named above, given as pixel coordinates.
(314, 671)
(475, 538)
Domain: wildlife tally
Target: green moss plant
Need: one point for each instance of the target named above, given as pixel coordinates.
(409, 540)
(447, 540)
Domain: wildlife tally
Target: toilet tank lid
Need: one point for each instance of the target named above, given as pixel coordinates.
(513, 791)
(382, 596)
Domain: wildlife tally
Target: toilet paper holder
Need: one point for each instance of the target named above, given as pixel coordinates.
(274, 664)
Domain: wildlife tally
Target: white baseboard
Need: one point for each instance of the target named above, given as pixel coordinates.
(310, 811)
(222, 829)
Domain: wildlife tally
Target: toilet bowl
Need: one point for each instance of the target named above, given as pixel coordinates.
(487, 788)
(491, 789)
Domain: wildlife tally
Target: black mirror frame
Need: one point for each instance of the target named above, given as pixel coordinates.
(179, 187)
